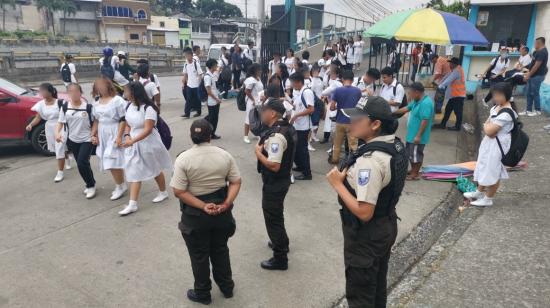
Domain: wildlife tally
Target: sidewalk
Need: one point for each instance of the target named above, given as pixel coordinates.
(493, 257)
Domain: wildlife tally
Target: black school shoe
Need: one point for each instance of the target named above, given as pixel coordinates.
(454, 129)
(302, 177)
(192, 296)
(227, 294)
(215, 137)
(274, 265)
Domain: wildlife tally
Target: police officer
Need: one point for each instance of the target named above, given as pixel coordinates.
(200, 182)
(369, 185)
(275, 153)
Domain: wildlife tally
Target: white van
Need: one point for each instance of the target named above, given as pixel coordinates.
(215, 50)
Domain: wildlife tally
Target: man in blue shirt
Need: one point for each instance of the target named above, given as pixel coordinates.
(343, 98)
(419, 127)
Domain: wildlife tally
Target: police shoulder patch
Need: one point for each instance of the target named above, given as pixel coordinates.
(363, 177)
(274, 148)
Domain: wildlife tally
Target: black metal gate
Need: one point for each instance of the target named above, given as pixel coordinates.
(275, 37)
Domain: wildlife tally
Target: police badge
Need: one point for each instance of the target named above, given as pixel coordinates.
(274, 148)
(363, 177)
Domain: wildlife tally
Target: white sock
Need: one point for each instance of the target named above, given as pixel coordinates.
(132, 203)
(60, 172)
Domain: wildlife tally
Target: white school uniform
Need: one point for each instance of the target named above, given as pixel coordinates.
(109, 155)
(333, 84)
(151, 88)
(304, 122)
(489, 168)
(210, 80)
(79, 128)
(358, 54)
(256, 86)
(350, 54)
(72, 69)
(147, 158)
(115, 62)
(50, 113)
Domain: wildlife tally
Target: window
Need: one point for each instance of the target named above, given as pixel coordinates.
(109, 11)
(116, 11)
(134, 36)
(120, 12)
(507, 25)
(141, 14)
(125, 12)
(162, 24)
(130, 13)
(200, 27)
(183, 24)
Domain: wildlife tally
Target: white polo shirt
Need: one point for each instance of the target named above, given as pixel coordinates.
(387, 93)
(304, 122)
(150, 87)
(193, 71)
(210, 81)
(500, 65)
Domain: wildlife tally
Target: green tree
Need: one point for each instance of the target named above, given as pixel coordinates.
(219, 7)
(69, 8)
(458, 7)
(4, 5)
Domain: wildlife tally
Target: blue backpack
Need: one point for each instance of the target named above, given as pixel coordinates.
(107, 69)
(163, 129)
(318, 108)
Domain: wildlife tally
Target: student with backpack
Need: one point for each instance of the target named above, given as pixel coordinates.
(192, 75)
(48, 110)
(76, 118)
(109, 114)
(150, 87)
(497, 142)
(253, 86)
(392, 90)
(304, 102)
(68, 71)
(224, 80)
(214, 102)
(146, 156)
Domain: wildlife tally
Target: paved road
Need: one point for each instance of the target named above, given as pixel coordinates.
(59, 250)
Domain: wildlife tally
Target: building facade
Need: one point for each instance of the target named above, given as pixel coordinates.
(84, 23)
(125, 21)
(164, 31)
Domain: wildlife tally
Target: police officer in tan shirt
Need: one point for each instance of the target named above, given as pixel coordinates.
(369, 185)
(206, 180)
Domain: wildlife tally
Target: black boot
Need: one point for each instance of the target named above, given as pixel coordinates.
(192, 296)
(274, 264)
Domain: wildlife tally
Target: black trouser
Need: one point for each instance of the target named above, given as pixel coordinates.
(206, 239)
(366, 287)
(455, 104)
(236, 79)
(212, 117)
(273, 197)
(82, 152)
(192, 101)
(301, 158)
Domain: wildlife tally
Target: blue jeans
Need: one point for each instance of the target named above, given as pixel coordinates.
(533, 92)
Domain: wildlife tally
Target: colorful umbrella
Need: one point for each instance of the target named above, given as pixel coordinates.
(427, 26)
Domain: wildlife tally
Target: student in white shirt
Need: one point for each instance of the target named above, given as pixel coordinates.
(324, 63)
(392, 91)
(304, 102)
(288, 60)
(333, 83)
(192, 75)
(150, 87)
(496, 72)
(305, 59)
(213, 103)
(249, 52)
(77, 116)
(524, 59)
(197, 53)
(68, 71)
(273, 63)
(316, 85)
(253, 86)
(350, 54)
(367, 82)
(358, 52)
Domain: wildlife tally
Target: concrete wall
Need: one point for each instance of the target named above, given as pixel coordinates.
(542, 27)
(24, 17)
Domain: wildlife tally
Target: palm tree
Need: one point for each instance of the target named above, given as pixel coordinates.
(3, 5)
(68, 8)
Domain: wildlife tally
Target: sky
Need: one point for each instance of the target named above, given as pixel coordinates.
(334, 6)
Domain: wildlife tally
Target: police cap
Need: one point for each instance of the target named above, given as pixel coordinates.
(201, 131)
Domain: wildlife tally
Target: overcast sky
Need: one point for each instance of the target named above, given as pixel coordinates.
(334, 6)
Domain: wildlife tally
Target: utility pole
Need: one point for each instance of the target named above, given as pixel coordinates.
(290, 8)
(261, 17)
(245, 21)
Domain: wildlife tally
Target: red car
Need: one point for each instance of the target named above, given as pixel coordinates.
(15, 113)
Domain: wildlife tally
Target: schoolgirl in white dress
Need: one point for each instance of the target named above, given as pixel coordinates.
(253, 86)
(358, 50)
(146, 156)
(489, 168)
(333, 83)
(48, 110)
(107, 131)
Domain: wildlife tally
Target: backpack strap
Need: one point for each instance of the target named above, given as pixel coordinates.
(60, 103)
(509, 111)
(89, 112)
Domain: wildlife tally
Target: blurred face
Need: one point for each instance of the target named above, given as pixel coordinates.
(415, 95)
(504, 54)
(277, 58)
(364, 127)
(128, 94)
(214, 68)
(499, 98)
(74, 93)
(188, 56)
(101, 87)
(314, 73)
(523, 51)
(538, 44)
(289, 54)
(297, 85)
(387, 79)
(368, 79)
(434, 60)
(197, 52)
(452, 66)
(268, 115)
(44, 93)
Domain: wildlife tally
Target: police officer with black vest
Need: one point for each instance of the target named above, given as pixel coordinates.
(206, 180)
(275, 154)
(369, 184)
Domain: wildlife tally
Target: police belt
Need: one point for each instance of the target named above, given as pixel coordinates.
(216, 197)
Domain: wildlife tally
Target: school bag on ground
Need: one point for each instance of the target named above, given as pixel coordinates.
(318, 107)
(241, 99)
(107, 69)
(255, 120)
(519, 143)
(66, 73)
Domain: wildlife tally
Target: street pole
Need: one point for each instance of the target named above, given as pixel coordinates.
(290, 8)
(245, 20)
(261, 17)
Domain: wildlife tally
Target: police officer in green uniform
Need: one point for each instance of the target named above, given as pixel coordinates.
(275, 154)
(206, 180)
(369, 184)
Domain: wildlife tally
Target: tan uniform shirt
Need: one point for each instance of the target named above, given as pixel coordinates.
(371, 173)
(203, 169)
(275, 146)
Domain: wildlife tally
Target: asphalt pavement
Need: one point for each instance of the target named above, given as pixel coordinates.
(58, 249)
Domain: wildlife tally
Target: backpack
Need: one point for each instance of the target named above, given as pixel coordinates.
(162, 127)
(225, 74)
(255, 121)
(203, 94)
(107, 69)
(66, 73)
(404, 102)
(518, 145)
(65, 107)
(241, 99)
(396, 63)
(318, 107)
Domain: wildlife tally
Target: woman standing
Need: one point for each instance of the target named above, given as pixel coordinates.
(489, 168)
(358, 51)
(109, 111)
(253, 86)
(146, 156)
(237, 66)
(333, 83)
(48, 110)
(76, 117)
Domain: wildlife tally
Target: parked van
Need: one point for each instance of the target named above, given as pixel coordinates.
(215, 50)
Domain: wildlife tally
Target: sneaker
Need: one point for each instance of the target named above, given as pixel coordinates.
(532, 113)
(474, 195)
(314, 139)
(246, 139)
(161, 196)
(58, 177)
(523, 113)
(538, 112)
(547, 127)
(119, 192)
(129, 209)
(292, 180)
(90, 193)
(68, 163)
(310, 148)
(185, 116)
(85, 191)
(215, 137)
(483, 202)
